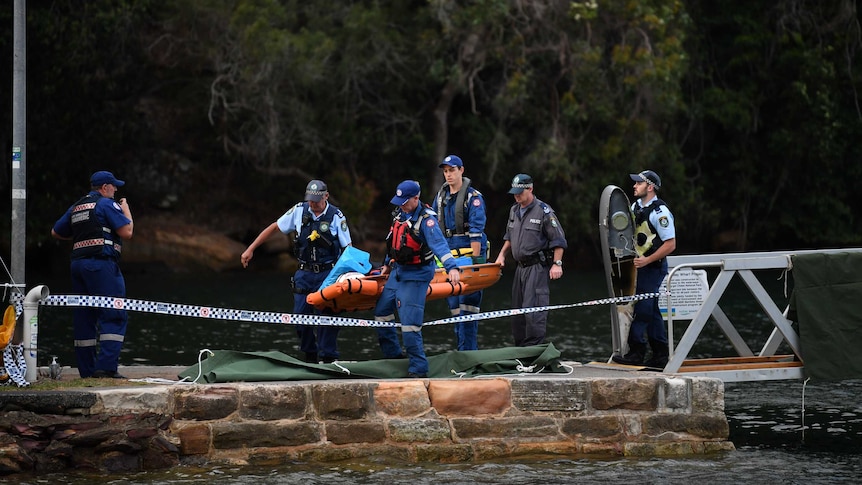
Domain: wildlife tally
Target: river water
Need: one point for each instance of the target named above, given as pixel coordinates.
(784, 431)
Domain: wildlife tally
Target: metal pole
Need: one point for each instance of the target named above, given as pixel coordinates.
(19, 138)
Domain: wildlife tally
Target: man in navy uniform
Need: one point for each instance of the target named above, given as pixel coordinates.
(537, 241)
(461, 211)
(97, 225)
(655, 239)
(414, 239)
(320, 236)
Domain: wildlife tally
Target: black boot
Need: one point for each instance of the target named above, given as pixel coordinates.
(311, 357)
(659, 356)
(636, 354)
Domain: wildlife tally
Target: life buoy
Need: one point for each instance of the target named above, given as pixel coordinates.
(8, 328)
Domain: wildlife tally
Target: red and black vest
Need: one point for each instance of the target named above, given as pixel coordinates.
(404, 244)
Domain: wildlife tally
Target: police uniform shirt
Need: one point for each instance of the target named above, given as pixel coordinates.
(536, 229)
(291, 221)
(661, 219)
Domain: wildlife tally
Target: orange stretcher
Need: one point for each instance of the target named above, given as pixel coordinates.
(355, 292)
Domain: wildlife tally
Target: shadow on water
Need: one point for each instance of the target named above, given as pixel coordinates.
(776, 439)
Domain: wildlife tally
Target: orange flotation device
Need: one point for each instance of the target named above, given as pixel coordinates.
(356, 292)
(7, 330)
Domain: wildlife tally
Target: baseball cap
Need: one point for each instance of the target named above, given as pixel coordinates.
(405, 190)
(647, 176)
(315, 190)
(452, 161)
(102, 177)
(520, 182)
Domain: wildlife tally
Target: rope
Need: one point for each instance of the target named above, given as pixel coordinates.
(803, 408)
(117, 303)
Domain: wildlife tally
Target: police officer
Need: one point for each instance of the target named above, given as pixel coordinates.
(537, 241)
(413, 241)
(97, 225)
(461, 211)
(655, 238)
(320, 236)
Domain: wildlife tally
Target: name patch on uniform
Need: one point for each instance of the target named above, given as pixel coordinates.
(663, 221)
(535, 221)
(429, 222)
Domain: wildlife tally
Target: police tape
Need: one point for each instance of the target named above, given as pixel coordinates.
(175, 309)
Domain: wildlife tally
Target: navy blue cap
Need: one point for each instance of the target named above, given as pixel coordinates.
(405, 190)
(101, 178)
(315, 190)
(452, 161)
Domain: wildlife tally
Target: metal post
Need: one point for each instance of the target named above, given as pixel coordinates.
(19, 138)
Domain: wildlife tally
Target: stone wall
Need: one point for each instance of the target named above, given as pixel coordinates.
(438, 420)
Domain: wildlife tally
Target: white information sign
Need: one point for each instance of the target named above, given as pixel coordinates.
(687, 294)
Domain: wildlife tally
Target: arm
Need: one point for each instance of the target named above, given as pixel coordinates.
(126, 231)
(666, 248)
(556, 272)
(501, 258)
(477, 220)
(57, 236)
(260, 239)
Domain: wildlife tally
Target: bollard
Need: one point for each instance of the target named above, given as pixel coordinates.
(31, 329)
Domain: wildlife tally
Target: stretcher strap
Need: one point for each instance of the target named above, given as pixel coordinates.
(293, 319)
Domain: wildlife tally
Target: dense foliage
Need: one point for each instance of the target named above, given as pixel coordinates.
(219, 111)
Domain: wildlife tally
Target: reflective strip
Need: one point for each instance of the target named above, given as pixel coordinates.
(385, 318)
(446, 257)
(89, 243)
(85, 343)
(470, 308)
(455, 312)
(114, 337)
(84, 207)
(410, 328)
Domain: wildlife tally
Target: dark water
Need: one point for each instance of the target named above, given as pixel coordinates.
(777, 440)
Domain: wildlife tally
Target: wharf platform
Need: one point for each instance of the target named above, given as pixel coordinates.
(150, 422)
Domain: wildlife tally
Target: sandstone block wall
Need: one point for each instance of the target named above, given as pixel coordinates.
(440, 420)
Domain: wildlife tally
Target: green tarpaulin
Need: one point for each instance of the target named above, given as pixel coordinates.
(234, 366)
(826, 303)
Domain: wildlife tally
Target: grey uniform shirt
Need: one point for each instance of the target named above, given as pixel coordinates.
(533, 229)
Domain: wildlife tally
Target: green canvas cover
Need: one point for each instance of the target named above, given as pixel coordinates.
(236, 366)
(825, 303)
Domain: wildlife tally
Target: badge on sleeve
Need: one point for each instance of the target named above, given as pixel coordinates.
(663, 221)
(477, 202)
(117, 206)
(343, 226)
(429, 222)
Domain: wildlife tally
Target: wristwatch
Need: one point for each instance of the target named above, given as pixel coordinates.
(558, 262)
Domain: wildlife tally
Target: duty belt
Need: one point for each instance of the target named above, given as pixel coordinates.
(315, 267)
(543, 257)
